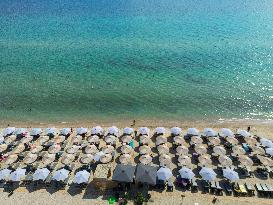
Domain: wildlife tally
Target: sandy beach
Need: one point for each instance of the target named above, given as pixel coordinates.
(90, 196)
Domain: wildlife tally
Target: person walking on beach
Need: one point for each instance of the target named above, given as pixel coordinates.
(248, 128)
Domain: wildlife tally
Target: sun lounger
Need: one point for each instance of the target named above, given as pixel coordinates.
(259, 189)
(219, 190)
(206, 186)
(194, 186)
(212, 187)
(228, 188)
(243, 189)
(270, 189)
(266, 191)
(250, 189)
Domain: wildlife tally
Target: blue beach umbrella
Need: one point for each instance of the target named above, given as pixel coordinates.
(230, 174)
(186, 173)
(164, 173)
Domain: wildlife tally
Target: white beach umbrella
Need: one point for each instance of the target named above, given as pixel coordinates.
(50, 131)
(128, 130)
(81, 131)
(98, 156)
(225, 132)
(4, 174)
(219, 150)
(145, 159)
(225, 160)
(193, 131)
(36, 131)
(204, 159)
(41, 174)
(186, 173)
(126, 149)
(110, 139)
(232, 140)
(113, 130)
(184, 160)
(230, 174)
(2, 139)
(144, 130)
(107, 149)
(164, 173)
(126, 138)
(65, 131)
(94, 139)
(81, 177)
(207, 174)
(243, 133)
(178, 139)
(182, 150)
(161, 140)
(269, 151)
(245, 160)
(266, 142)
(176, 131)
(210, 132)
(8, 131)
(97, 130)
(18, 175)
(21, 131)
(160, 130)
(61, 175)
(125, 159)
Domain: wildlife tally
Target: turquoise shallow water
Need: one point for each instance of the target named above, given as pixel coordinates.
(167, 59)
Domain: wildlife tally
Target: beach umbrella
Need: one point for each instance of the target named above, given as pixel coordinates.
(250, 140)
(72, 149)
(257, 150)
(10, 139)
(225, 161)
(215, 140)
(243, 133)
(161, 140)
(125, 159)
(2, 139)
(97, 130)
(107, 149)
(105, 158)
(193, 131)
(176, 131)
(5, 174)
(178, 139)
(126, 138)
(8, 131)
(186, 173)
(26, 139)
(160, 130)
(113, 130)
(219, 150)
(21, 131)
(124, 173)
(48, 158)
(111, 139)
(144, 149)
(145, 139)
(18, 175)
(182, 150)
(77, 139)
(165, 160)
(65, 131)
(238, 150)
(3, 147)
(204, 159)
(196, 140)
(41, 174)
(20, 148)
(145, 159)
(269, 151)
(128, 130)
(144, 130)
(68, 159)
(91, 149)
(51, 131)
(30, 158)
(86, 158)
(81, 177)
(230, 174)
(232, 140)
(146, 174)
(210, 132)
(94, 139)
(225, 132)
(266, 142)
(59, 139)
(98, 155)
(125, 149)
(61, 175)
(200, 149)
(81, 130)
(245, 160)
(55, 148)
(42, 139)
(265, 160)
(36, 131)
(184, 160)
(163, 149)
(11, 159)
(207, 174)
(35, 148)
(164, 174)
